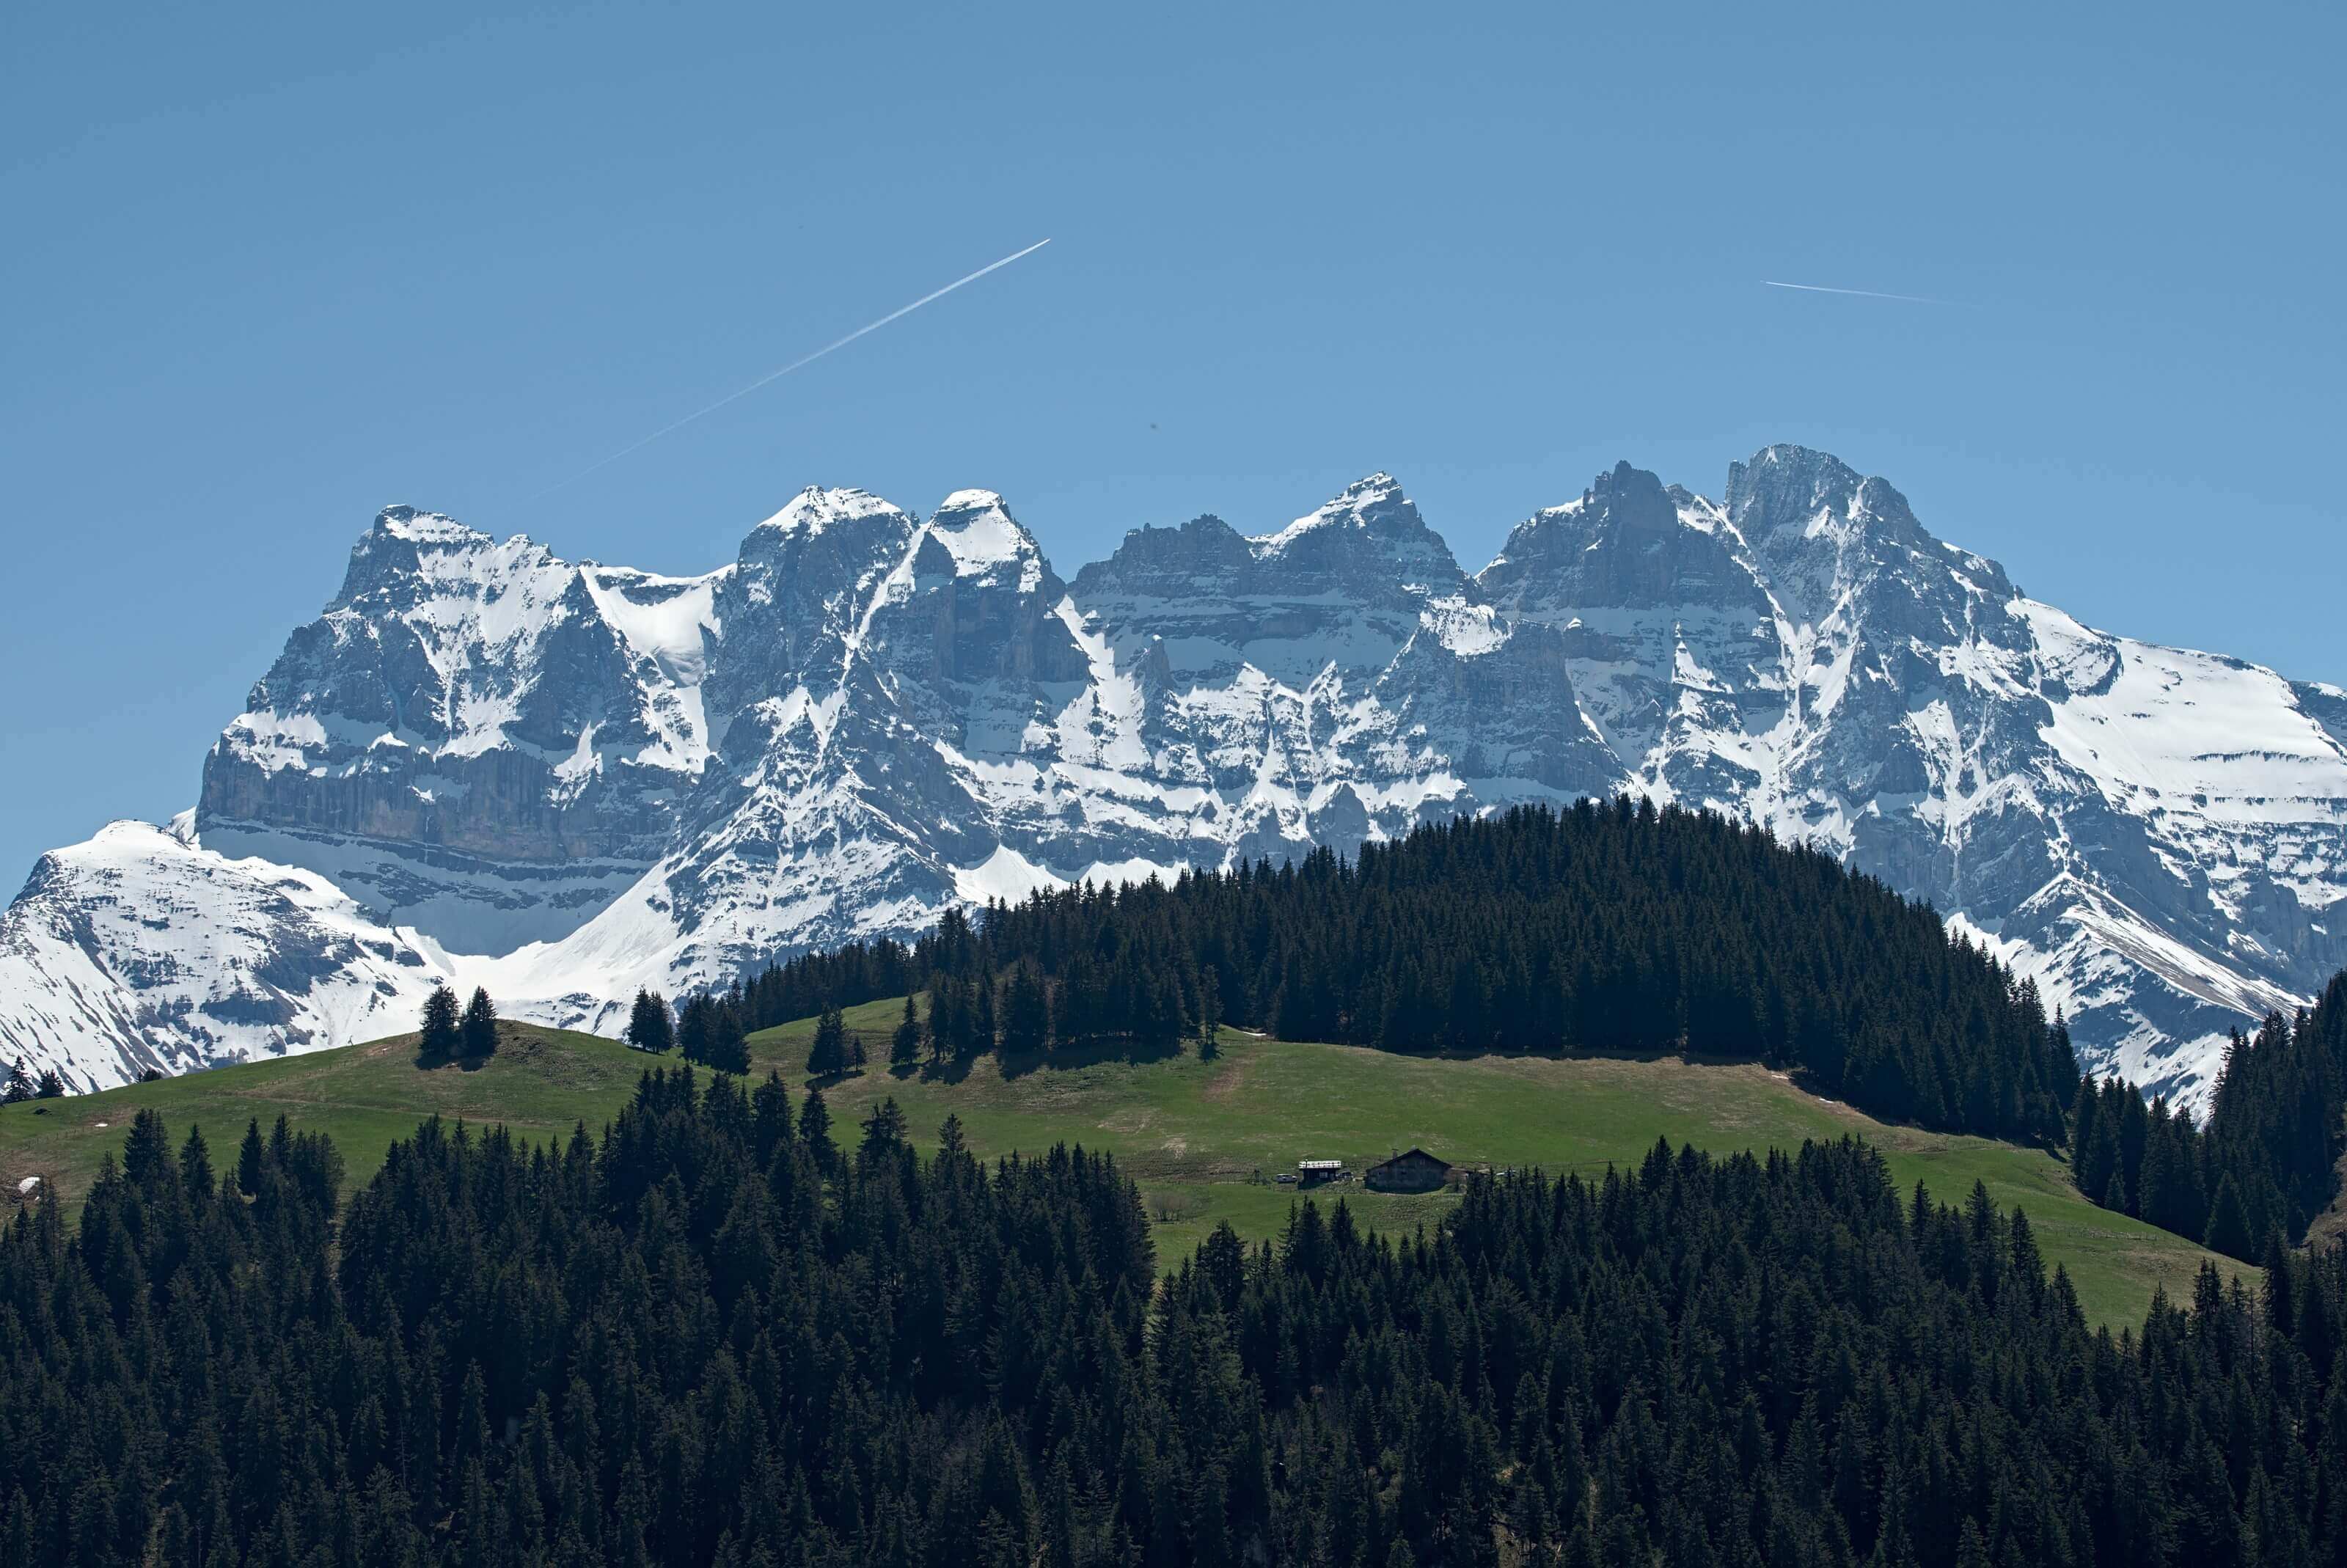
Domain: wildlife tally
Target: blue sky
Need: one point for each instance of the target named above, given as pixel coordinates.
(271, 268)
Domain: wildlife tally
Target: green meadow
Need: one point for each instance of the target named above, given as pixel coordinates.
(1204, 1140)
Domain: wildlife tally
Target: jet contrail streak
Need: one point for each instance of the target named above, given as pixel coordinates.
(802, 361)
(1862, 294)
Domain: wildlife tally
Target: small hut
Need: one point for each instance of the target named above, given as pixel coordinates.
(1412, 1170)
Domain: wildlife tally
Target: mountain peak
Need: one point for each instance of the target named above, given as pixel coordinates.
(417, 526)
(976, 530)
(1362, 503)
(815, 508)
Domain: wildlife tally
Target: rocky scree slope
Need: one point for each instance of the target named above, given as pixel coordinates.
(486, 764)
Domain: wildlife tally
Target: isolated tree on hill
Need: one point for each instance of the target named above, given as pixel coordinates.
(51, 1087)
(442, 1035)
(649, 1026)
(905, 1045)
(829, 1053)
(19, 1086)
(480, 1025)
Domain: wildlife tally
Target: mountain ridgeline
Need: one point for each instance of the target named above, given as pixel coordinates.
(486, 764)
(1601, 927)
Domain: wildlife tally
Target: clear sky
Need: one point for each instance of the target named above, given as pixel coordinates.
(268, 268)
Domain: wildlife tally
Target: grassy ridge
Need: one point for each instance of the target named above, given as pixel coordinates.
(542, 1082)
(1193, 1133)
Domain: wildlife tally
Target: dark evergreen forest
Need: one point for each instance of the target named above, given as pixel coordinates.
(718, 1333)
(1621, 927)
(1607, 927)
(2265, 1163)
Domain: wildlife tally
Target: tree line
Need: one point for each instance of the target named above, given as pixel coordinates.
(1618, 927)
(1600, 928)
(718, 1333)
(2265, 1163)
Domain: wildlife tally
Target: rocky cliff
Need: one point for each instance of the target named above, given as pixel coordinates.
(564, 779)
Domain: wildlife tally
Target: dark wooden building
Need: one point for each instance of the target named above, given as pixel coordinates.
(1412, 1170)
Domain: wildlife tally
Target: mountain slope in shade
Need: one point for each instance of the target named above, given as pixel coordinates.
(486, 764)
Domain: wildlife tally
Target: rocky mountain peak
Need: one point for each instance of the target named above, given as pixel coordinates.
(815, 509)
(564, 781)
(981, 539)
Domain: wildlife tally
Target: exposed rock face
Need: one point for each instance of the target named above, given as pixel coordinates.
(564, 781)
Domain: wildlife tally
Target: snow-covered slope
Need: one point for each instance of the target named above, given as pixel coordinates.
(564, 781)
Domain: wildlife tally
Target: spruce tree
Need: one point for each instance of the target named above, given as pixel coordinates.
(696, 1028)
(442, 1034)
(905, 1045)
(981, 1020)
(2228, 1226)
(1026, 1012)
(480, 1028)
(49, 1086)
(814, 1129)
(19, 1087)
(649, 1025)
(828, 1055)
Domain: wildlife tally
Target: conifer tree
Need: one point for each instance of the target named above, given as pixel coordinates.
(905, 1045)
(829, 1053)
(649, 1025)
(814, 1129)
(49, 1086)
(696, 1028)
(2228, 1225)
(728, 1050)
(443, 1035)
(1026, 1011)
(981, 1019)
(479, 1028)
(19, 1087)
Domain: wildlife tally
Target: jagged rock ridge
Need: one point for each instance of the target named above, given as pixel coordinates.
(562, 781)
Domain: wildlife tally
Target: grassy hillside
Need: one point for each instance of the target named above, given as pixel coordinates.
(540, 1083)
(1193, 1134)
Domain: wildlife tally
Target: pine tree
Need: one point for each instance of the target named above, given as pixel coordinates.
(981, 1020)
(2228, 1226)
(696, 1028)
(49, 1086)
(442, 1036)
(814, 1129)
(649, 1026)
(905, 1045)
(479, 1028)
(884, 1130)
(729, 1046)
(828, 1055)
(19, 1086)
(1026, 1012)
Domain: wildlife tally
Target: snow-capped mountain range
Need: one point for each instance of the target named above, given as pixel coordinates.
(486, 764)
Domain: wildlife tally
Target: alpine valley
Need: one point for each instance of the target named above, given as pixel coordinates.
(563, 781)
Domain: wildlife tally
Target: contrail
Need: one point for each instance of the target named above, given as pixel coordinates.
(797, 364)
(1862, 294)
